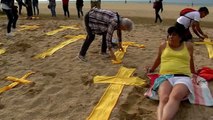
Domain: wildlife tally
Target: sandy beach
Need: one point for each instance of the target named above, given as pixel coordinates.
(63, 87)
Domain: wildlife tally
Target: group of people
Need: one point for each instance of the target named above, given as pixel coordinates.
(12, 11)
(175, 55)
(31, 7)
(65, 5)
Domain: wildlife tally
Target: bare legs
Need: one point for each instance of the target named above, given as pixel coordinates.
(170, 98)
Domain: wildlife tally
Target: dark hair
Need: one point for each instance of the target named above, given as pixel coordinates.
(204, 9)
(174, 29)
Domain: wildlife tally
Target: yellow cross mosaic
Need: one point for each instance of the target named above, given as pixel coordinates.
(110, 97)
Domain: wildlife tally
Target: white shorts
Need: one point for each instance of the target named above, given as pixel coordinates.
(181, 80)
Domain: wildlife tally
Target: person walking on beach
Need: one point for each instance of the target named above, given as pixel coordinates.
(65, 4)
(52, 6)
(35, 7)
(192, 19)
(175, 57)
(12, 15)
(104, 22)
(79, 6)
(28, 4)
(158, 5)
(20, 4)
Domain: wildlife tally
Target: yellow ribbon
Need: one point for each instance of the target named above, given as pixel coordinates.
(205, 42)
(28, 27)
(120, 54)
(110, 97)
(59, 46)
(2, 51)
(209, 47)
(61, 29)
(17, 81)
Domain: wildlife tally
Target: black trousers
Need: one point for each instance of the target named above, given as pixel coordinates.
(157, 16)
(12, 19)
(79, 11)
(90, 37)
(66, 10)
(35, 8)
(187, 34)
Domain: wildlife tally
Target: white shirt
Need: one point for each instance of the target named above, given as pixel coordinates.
(4, 6)
(188, 18)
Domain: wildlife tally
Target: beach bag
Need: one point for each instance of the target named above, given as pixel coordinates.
(186, 10)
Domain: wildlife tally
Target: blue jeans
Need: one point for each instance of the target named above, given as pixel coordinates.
(52, 8)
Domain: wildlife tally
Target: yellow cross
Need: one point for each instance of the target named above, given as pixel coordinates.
(28, 27)
(16, 81)
(107, 102)
(59, 46)
(74, 27)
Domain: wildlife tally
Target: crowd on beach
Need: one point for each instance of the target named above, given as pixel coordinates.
(32, 7)
(175, 55)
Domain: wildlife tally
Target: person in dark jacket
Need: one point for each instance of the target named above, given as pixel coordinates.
(79, 6)
(12, 14)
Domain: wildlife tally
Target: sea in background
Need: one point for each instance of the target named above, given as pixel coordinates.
(180, 2)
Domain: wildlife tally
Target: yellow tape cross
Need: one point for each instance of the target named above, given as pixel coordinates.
(61, 29)
(110, 97)
(28, 27)
(120, 54)
(16, 81)
(209, 47)
(59, 46)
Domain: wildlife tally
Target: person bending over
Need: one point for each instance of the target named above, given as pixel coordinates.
(192, 19)
(104, 22)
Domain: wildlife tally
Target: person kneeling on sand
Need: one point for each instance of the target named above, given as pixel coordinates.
(175, 58)
(104, 22)
(192, 19)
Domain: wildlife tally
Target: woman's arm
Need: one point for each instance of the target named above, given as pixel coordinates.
(158, 59)
(191, 51)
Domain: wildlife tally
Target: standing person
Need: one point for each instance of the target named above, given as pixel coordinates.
(28, 4)
(52, 6)
(35, 7)
(20, 4)
(79, 6)
(104, 22)
(12, 14)
(175, 58)
(65, 4)
(192, 19)
(158, 5)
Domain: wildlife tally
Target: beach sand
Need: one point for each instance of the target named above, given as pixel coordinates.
(63, 87)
